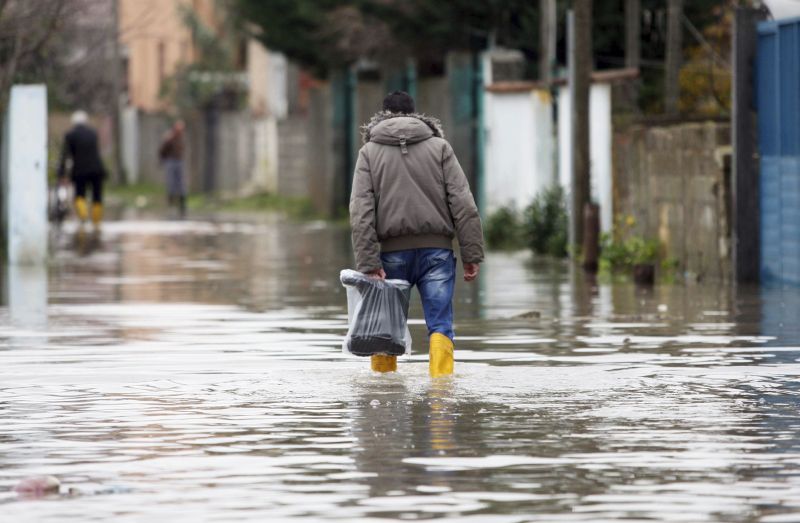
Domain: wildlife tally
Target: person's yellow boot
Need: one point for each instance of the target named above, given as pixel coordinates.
(384, 363)
(97, 213)
(441, 355)
(81, 209)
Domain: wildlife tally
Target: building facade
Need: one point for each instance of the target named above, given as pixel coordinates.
(155, 42)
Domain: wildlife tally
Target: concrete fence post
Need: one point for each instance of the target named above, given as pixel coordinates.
(24, 176)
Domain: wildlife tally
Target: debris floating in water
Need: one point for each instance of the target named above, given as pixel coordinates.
(38, 486)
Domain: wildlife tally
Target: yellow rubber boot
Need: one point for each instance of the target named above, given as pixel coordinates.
(384, 363)
(97, 213)
(81, 209)
(441, 355)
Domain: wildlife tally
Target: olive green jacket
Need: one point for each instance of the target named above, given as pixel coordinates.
(409, 192)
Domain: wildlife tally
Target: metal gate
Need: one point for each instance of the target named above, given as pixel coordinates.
(778, 99)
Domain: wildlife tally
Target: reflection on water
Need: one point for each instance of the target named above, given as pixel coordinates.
(26, 288)
(191, 370)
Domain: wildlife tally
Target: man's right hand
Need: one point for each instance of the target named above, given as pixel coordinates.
(378, 274)
(471, 271)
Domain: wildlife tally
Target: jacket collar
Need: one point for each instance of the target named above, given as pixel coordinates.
(368, 129)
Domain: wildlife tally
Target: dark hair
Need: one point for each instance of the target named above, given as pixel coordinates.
(398, 102)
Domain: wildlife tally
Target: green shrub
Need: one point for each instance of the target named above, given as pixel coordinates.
(546, 224)
(623, 250)
(504, 229)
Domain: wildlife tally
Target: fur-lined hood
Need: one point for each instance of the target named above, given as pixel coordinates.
(390, 128)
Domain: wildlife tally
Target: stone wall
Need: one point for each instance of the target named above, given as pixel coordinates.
(293, 157)
(675, 180)
(229, 162)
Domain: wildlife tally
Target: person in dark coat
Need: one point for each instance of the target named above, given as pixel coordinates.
(80, 149)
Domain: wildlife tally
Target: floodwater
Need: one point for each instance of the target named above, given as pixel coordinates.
(191, 371)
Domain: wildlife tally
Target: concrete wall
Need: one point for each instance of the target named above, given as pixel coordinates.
(293, 157)
(245, 154)
(141, 139)
(368, 101)
(324, 170)
(433, 98)
(264, 176)
(520, 147)
(673, 179)
(267, 81)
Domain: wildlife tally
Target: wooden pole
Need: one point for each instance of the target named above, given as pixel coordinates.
(633, 33)
(746, 211)
(547, 39)
(674, 56)
(582, 69)
(591, 237)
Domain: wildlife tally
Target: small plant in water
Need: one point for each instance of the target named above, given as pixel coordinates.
(504, 229)
(624, 251)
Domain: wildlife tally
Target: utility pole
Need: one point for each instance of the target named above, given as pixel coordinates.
(744, 125)
(674, 56)
(633, 33)
(581, 65)
(116, 95)
(547, 39)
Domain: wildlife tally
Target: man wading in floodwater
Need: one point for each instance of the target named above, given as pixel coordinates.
(410, 198)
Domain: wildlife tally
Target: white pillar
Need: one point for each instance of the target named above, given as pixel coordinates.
(130, 143)
(24, 175)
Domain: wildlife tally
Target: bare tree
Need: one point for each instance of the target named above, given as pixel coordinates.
(674, 55)
(26, 27)
(67, 44)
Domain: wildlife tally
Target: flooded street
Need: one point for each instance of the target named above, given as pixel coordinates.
(192, 371)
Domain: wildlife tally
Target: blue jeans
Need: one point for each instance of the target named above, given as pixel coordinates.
(433, 271)
(176, 185)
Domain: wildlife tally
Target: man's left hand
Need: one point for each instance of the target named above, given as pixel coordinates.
(471, 271)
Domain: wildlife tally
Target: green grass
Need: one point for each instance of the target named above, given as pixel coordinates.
(297, 208)
(141, 195)
(152, 196)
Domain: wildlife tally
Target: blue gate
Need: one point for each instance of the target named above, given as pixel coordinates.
(778, 99)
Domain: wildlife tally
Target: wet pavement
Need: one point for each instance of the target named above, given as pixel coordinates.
(192, 371)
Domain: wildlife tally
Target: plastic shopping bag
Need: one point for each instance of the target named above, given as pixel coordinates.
(377, 312)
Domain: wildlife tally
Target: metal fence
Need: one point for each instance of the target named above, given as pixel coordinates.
(778, 100)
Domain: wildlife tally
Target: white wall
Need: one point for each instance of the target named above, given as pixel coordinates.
(599, 145)
(269, 103)
(24, 175)
(519, 147)
(600, 153)
(267, 78)
(265, 162)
